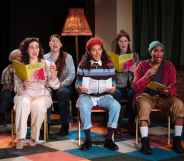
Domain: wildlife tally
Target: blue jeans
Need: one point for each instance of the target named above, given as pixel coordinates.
(85, 105)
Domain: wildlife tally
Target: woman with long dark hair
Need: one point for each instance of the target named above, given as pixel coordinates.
(121, 46)
(66, 74)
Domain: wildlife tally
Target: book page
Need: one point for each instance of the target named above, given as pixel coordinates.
(96, 86)
(119, 60)
(104, 85)
(90, 84)
(156, 86)
(29, 71)
(36, 71)
(20, 70)
(123, 59)
(114, 58)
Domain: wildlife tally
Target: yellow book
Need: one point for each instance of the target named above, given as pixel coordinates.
(156, 86)
(119, 60)
(29, 71)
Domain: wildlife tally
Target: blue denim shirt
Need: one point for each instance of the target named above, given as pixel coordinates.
(68, 74)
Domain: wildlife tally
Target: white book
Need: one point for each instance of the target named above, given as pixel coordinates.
(95, 86)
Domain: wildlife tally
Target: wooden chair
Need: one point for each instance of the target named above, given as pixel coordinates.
(169, 127)
(95, 109)
(54, 116)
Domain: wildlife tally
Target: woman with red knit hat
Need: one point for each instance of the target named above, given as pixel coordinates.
(96, 67)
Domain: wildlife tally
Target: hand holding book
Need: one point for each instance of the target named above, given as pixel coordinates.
(111, 90)
(165, 91)
(53, 71)
(82, 89)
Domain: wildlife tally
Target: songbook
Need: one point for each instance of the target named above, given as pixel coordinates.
(29, 71)
(96, 86)
(120, 60)
(156, 86)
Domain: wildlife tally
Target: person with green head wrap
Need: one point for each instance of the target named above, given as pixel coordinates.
(162, 71)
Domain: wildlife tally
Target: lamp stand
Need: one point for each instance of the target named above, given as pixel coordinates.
(77, 49)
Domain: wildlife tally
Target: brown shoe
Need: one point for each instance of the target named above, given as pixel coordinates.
(20, 144)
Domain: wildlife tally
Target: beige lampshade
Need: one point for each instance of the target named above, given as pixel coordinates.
(76, 24)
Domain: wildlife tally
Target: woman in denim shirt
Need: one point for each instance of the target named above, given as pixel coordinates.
(66, 74)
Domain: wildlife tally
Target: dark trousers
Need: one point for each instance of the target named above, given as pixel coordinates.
(6, 103)
(126, 93)
(63, 106)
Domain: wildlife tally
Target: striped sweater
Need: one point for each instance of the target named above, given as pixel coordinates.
(103, 72)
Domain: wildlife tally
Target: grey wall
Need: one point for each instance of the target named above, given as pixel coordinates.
(110, 17)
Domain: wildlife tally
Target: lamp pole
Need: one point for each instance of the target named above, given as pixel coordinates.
(77, 49)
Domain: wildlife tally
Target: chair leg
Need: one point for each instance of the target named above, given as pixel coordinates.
(13, 123)
(79, 132)
(45, 128)
(70, 109)
(169, 130)
(137, 130)
(113, 137)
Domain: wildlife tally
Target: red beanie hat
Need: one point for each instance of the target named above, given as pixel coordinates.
(93, 41)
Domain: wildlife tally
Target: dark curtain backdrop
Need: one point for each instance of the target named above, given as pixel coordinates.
(40, 19)
(161, 20)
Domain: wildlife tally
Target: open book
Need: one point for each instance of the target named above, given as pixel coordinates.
(156, 86)
(29, 71)
(120, 60)
(96, 86)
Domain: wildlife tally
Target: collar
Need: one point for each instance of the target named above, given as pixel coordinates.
(96, 62)
(53, 57)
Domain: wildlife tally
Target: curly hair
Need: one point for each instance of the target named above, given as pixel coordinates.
(24, 45)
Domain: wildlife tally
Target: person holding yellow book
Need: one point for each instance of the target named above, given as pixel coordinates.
(155, 87)
(32, 96)
(124, 74)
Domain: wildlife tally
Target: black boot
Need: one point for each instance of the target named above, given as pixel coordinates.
(64, 129)
(177, 147)
(87, 143)
(109, 144)
(146, 146)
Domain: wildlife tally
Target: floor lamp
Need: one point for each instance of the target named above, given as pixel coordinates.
(76, 25)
